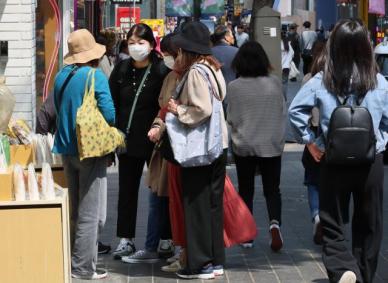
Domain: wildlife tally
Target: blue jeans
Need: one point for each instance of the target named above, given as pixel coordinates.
(156, 220)
(311, 180)
(313, 196)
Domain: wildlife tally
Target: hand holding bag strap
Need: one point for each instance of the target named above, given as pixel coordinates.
(137, 96)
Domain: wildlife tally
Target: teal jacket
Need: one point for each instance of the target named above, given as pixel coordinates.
(65, 138)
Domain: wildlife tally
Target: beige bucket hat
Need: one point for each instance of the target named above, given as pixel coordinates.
(83, 48)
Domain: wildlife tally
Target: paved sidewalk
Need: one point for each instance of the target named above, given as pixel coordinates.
(299, 261)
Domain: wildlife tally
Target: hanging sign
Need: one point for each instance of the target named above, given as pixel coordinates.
(377, 7)
(179, 8)
(125, 2)
(212, 7)
(127, 17)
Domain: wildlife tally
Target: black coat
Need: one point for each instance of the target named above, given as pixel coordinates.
(124, 82)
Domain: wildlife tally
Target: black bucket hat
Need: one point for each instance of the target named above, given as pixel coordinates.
(194, 37)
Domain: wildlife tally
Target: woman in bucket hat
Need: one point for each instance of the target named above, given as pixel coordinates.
(87, 178)
(202, 197)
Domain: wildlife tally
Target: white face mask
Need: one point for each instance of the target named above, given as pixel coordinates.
(169, 61)
(139, 52)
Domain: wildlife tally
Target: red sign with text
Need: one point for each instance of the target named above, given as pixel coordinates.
(127, 17)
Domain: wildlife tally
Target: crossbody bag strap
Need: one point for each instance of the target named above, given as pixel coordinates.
(137, 96)
(60, 94)
(215, 78)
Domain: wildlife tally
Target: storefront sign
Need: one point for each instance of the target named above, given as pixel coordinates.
(127, 17)
(212, 7)
(125, 1)
(377, 7)
(179, 8)
(157, 26)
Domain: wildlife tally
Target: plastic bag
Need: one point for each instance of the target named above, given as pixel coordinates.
(33, 191)
(19, 184)
(239, 224)
(6, 146)
(7, 103)
(4, 155)
(56, 158)
(294, 72)
(20, 130)
(48, 191)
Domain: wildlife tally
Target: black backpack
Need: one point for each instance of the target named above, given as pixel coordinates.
(350, 138)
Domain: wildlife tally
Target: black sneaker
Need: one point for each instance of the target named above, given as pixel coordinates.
(103, 249)
(205, 273)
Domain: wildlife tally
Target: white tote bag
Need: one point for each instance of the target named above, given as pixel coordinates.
(294, 72)
(201, 145)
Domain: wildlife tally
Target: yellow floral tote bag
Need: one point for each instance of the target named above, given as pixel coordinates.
(95, 137)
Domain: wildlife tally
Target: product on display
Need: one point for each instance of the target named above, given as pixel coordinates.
(3, 158)
(7, 103)
(19, 183)
(20, 130)
(33, 191)
(48, 191)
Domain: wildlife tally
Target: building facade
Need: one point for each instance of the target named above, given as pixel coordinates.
(17, 33)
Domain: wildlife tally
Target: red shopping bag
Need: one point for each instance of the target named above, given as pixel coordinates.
(175, 205)
(239, 224)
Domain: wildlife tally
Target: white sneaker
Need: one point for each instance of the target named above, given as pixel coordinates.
(173, 267)
(125, 248)
(141, 256)
(247, 245)
(166, 248)
(348, 277)
(174, 257)
(98, 274)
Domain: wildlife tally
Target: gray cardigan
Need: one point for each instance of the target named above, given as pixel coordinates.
(257, 116)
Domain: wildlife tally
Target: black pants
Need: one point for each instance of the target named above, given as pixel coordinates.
(307, 61)
(165, 233)
(130, 172)
(296, 60)
(202, 192)
(270, 168)
(365, 183)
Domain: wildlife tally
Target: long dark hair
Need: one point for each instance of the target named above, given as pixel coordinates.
(350, 65)
(285, 41)
(251, 60)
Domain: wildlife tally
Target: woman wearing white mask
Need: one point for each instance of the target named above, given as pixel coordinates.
(135, 85)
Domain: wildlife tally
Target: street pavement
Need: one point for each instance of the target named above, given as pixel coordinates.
(299, 260)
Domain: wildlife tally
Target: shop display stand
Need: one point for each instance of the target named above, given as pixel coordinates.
(35, 241)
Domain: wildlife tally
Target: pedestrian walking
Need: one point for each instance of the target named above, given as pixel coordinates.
(257, 114)
(287, 55)
(123, 51)
(241, 35)
(308, 38)
(105, 64)
(135, 85)
(224, 51)
(312, 168)
(87, 178)
(357, 169)
(294, 39)
(202, 196)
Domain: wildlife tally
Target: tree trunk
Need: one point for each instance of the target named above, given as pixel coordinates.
(257, 5)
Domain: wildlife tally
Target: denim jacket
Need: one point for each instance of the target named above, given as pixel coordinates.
(314, 93)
